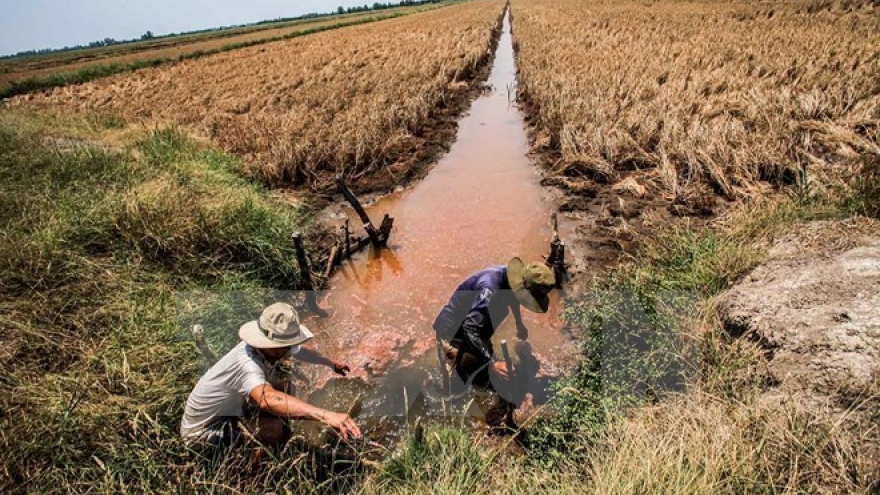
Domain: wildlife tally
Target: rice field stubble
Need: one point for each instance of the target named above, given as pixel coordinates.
(174, 46)
(354, 101)
(647, 111)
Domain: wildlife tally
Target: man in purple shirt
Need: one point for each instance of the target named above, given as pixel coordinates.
(466, 324)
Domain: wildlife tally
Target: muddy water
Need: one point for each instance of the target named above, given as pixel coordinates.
(481, 205)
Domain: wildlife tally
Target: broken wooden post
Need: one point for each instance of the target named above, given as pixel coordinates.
(331, 260)
(385, 227)
(353, 411)
(507, 359)
(353, 201)
(305, 275)
(347, 239)
(556, 259)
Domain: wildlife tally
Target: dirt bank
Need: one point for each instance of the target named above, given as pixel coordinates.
(814, 306)
(612, 215)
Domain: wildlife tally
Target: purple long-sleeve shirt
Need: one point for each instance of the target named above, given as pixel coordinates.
(476, 309)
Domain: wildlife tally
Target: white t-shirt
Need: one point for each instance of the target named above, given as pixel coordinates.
(225, 388)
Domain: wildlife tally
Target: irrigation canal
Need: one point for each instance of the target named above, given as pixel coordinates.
(480, 205)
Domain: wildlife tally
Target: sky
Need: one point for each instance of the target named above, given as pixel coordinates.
(36, 24)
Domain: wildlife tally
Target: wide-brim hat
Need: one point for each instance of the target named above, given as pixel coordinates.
(531, 284)
(278, 326)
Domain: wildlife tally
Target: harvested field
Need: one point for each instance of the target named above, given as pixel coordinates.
(303, 110)
(685, 102)
(171, 48)
(19, 75)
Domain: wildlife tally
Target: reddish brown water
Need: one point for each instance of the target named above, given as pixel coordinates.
(481, 205)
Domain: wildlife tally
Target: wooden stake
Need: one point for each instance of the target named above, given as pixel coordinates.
(559, 269)
(198, 333)
(419, 431)
(347, 240)
(511, 375)
(353, 411)
(356, 205)
(556, 258)
(554, 224)
(385, 227)
(444, 370)
(331, 261)
(305, 274)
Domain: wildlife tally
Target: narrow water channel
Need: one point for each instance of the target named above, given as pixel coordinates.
(480, 205)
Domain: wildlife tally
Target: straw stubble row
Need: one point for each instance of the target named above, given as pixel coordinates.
(688, 98)
(300, 111)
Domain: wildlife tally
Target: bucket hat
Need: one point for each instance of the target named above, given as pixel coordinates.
(531, 284)
(278, 326)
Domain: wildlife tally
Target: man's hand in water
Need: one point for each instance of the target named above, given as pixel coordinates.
(342, 423)
(501, 370)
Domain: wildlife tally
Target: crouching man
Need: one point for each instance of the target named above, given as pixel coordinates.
(466, 324)
(237, 393)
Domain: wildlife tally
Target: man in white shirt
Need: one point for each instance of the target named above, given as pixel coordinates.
(241, 380)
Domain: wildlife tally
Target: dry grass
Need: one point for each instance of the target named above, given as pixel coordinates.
(695, 443)
(690, 98)
(700, 443)
(303, 110)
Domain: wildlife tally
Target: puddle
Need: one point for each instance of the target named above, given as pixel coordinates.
(480, 205)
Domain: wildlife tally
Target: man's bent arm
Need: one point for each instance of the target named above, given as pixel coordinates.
(283, 405)
(471, 328)
(313, 356)
(287, 406)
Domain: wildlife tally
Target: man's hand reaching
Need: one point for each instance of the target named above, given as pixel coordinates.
(501, 370)
(343, 424)
(341, 369)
